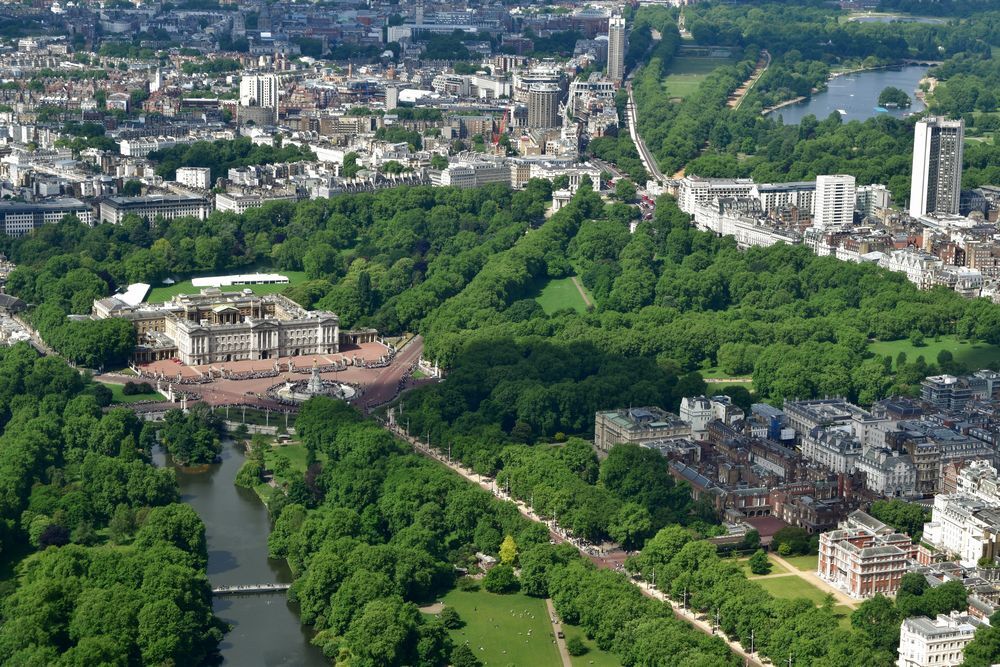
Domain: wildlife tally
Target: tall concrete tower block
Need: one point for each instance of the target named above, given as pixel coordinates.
(936, 181)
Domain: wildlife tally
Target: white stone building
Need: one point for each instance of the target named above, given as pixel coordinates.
(698, 411)
(836, 448)
(835, 200)
(195, 177)
(150, 207)
(888, 472)
(697, 190)
(967, 523)
(935, 643)
(215, 326)
(919, 266)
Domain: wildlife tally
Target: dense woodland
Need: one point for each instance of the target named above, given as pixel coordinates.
(388, 258)
(111, 568)
(463, 267)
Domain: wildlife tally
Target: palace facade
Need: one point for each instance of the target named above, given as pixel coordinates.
(215, 326)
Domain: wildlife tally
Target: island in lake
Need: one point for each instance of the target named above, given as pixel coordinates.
(894, 98)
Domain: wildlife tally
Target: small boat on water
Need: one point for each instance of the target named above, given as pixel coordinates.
(842, 112)
(881, 110)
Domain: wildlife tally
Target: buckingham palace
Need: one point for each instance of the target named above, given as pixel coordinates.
(215, 326)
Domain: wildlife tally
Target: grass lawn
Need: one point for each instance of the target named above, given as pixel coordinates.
(776, 568)
(165, 292)
(500, 626)
(118, 397)
(973, 355)
(792, 587)
(804, 563)
(594, 657)
(295, 455)
(687, 73)
(716, 373)
(560, 294)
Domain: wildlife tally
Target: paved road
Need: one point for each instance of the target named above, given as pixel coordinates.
(648, 161)
(742, 91)
(556, 630)
(388, 382)
(609, 559)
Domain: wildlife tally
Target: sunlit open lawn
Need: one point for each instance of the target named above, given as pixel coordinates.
(974, 355)
(804, 563)
(560, 294)
(792, 587)
(505, 629)
(688, 72)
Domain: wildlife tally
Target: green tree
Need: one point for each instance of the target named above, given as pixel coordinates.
(759, 563)
(451, 619)
(575, 646)
(625, 190)
(501, 579)
(984, 649)
(508, 551)
(462, 656)
(879, 620)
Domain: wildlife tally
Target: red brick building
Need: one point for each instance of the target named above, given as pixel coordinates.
(864, 556)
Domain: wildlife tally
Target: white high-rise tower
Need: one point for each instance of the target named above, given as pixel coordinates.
(833, 205)
(259, 90)
(936, 180)
(616, 48)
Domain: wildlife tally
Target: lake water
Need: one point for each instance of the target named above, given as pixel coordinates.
(266, 630)
(857, 94)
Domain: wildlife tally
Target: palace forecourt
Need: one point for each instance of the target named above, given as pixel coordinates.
(234, 347)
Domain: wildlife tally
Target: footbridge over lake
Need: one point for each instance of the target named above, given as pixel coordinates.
(249, 589)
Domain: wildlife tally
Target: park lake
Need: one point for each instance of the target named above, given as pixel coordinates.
(265, 627)
(857, 95)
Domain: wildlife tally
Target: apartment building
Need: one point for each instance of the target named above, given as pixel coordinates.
(150, 207)
(697, 190)
(966, 524)
(940, 642)
(20, 218)
(194, 177)
(948, 392)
